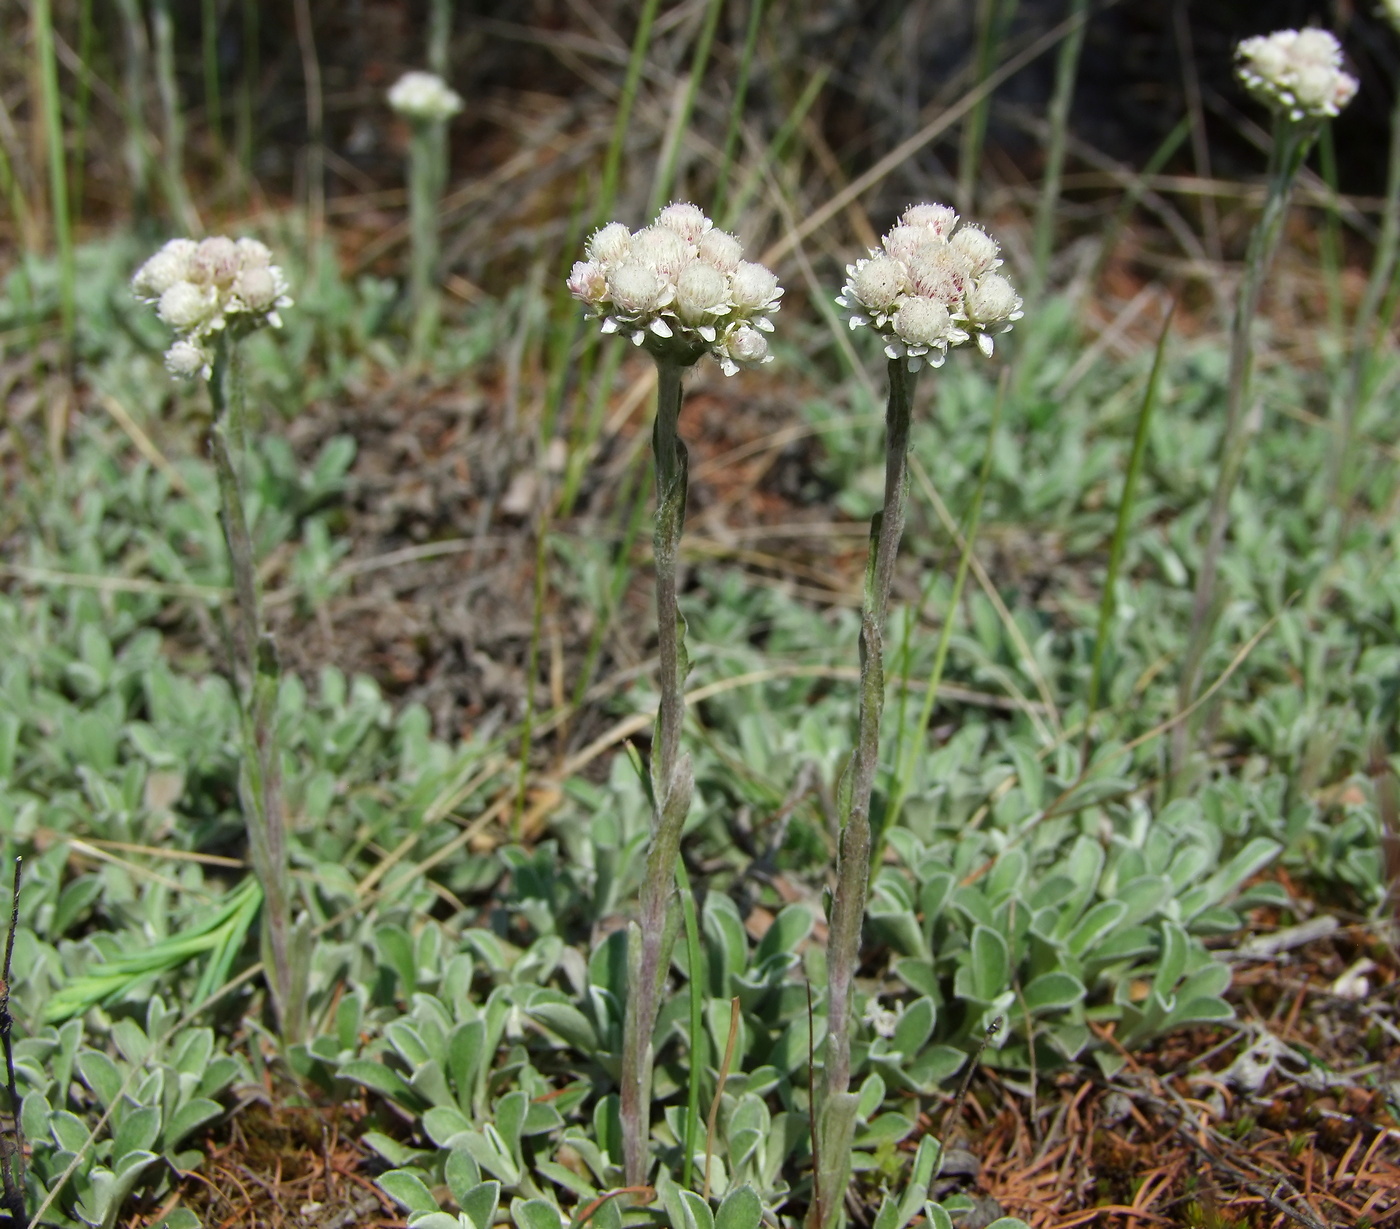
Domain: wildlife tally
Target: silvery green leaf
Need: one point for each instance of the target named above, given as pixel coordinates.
(1053, 992)
(479, 1204)
(915, 1023)
(378, 1078)
(442, 1122)
(406, 1187)
(740, 1209)
(534, 1214)
(137, 1131)
(100, 1074)
(188, 1118)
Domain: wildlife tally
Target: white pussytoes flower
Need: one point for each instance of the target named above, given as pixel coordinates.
(424, 97)
(199, 289)
(168, 266)
(930, 287)
(1296, 72)
(681, 288)
(185, 360)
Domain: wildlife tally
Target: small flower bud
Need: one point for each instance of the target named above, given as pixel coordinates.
(906, 242)
(215, 262)
(940, 219)
(609, 245)
(992, 300)
(979, 247)
(168, 266)
(687, 220)
(662, 249)
(754, 288)
(723, 250)
(257, 289)
(748, 345)
(940, 272)
(185, 360)
(879, 282)
(702, 292)
(636, 288)
(588, 282)
(253, 254)
(922, 322)
(186, 306)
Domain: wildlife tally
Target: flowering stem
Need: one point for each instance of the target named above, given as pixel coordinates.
(671, 784)
(1352, 397)
(427, 155)
(260, 781)
(1291, 142)
(853, 859)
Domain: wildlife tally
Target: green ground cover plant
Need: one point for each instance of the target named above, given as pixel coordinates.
(727, 923)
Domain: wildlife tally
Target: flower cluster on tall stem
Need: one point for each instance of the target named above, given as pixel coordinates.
(928, 288)
(681, 289)
(427, 103)
(1299, 76)
(212, 293)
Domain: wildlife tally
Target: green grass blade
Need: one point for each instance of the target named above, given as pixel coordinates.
(666, 180)
(1108, 602)
(736, 113)
(58, 171)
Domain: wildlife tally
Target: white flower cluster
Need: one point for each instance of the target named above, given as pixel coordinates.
(424, 96)
(681, 287)
(200, 288)
(1298, 72)
(930, 287)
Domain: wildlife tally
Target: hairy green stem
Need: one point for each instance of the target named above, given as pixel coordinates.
(1351, 396)
(1291, 142)
(427, 157)
(260, 777)
(853, 857)
(671, 785)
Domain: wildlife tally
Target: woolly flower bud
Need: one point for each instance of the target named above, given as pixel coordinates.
(754, 289)
(215, 262)
(991, 307)
(879, 282)
(979, 247)
(168, 266)
(723, 250)
(744, 346)
(185, 360)
(687, 220)
(588, 282)
(702, 293)
(940, 219)
(662, 249)
(612, 243)
(922, 322)
(906, 242)
(256, 288)
(636, 289)
(424, 97)
(1296, 72)
(940, 272)
(253, 254)
(186, 307)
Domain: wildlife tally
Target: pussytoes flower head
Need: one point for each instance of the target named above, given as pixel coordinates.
(687, 220)
(930, 287)
(681, 288)
(1297, 73)
(199, 289)
(424, 98)
(185, 360)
